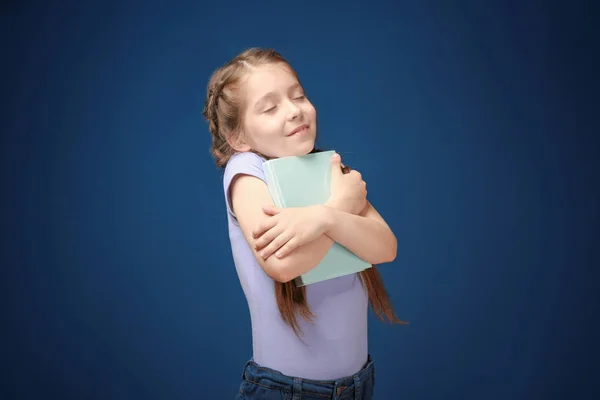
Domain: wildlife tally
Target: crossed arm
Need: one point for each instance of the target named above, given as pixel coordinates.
(367, 234)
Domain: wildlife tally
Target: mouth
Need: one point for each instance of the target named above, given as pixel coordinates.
(300, 129)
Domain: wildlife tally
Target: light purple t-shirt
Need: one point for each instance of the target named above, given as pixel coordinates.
(335, 344)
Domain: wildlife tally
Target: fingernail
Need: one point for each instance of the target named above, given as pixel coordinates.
(278, 254)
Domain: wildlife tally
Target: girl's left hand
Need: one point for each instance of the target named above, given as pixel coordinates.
(289, 228)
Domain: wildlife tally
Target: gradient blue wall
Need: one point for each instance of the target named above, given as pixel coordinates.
(466, 120)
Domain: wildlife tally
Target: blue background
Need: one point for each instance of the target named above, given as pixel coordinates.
(471, 122)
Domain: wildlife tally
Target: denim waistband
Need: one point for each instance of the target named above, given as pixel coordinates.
(334, 389)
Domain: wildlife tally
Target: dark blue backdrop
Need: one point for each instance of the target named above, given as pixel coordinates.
(470, 123)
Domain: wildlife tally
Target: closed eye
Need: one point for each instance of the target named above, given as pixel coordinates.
(270, 110)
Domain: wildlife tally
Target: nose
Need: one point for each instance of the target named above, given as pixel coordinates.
(293, 111)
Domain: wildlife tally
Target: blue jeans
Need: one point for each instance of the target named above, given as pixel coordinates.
(267, 384)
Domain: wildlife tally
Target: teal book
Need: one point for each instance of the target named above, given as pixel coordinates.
(305, 181)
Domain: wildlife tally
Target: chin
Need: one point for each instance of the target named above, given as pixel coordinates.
(306, 147)
(301, 146)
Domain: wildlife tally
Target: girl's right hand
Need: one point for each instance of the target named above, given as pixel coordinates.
(348, 191)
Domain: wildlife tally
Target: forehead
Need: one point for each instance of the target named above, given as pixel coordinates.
(269, 78)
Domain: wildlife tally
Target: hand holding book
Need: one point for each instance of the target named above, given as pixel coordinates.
(305, 182)
(348, 191)
(289, 228)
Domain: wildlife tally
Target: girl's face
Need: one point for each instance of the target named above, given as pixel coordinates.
(278, 119)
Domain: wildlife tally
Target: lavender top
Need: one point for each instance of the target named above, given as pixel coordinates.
(335, 344)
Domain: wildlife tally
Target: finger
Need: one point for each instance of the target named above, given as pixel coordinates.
(268, 237)
(355, 174)
(336, 165)
(264, 226)
(271, 210)
(287, 248)
(276, 244)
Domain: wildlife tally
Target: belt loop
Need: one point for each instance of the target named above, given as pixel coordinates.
(357, 388)
(244, 370)
(297, 393)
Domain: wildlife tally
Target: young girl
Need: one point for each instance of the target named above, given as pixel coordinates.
(308, 342)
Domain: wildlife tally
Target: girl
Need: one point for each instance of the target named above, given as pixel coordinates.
(308, 342)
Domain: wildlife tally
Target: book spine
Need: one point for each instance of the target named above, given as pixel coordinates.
(274, 189)
(280, 200)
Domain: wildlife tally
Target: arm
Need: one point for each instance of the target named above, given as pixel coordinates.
(248, 196)
(367, 235)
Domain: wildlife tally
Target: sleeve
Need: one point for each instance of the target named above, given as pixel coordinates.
(247, 163)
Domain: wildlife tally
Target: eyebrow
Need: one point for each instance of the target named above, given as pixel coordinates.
(267, 96)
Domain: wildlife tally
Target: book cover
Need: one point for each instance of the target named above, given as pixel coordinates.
(305, 181)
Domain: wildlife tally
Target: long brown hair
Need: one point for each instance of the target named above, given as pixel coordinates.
(222, 112)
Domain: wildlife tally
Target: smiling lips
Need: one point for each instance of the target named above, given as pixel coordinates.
(298, 129)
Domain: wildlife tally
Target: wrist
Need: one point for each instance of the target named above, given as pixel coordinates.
(328, 217)
(333, 203)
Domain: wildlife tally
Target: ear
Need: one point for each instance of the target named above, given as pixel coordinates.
(238, 143)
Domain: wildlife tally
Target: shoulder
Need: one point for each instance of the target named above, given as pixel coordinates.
(246, 163)
(240, 164)
(243, 177)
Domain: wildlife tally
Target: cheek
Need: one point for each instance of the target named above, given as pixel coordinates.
(311, 111)
(274, 125)
(265, 129)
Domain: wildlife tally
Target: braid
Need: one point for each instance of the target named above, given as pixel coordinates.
(220, 149)
(210, 111)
